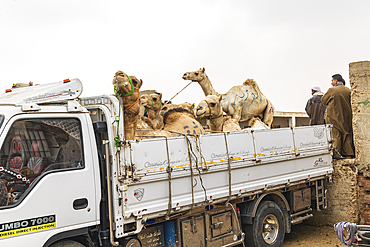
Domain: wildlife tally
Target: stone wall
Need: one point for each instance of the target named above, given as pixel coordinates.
(359, 74)
(342, 195)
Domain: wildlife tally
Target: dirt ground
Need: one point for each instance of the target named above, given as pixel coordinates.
(311, 236)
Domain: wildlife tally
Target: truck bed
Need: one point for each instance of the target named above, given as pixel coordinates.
(224, 166)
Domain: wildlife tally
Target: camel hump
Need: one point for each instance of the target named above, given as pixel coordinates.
(167, 118)
(250, 82)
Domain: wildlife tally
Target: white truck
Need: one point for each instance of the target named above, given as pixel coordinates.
(69, 178)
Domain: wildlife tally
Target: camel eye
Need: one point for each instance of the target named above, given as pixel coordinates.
(212, 104)
(196, 73)
(164, 108)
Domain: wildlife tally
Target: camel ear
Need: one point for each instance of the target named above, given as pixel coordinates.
(192, 107)
(204, 69)
(160, 96)
(140, 83)
(220, 98)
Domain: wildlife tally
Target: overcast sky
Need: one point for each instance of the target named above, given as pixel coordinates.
(286, 46)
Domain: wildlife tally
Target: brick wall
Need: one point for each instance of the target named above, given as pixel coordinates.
(364, 198)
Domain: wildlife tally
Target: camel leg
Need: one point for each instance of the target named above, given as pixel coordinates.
(268, 115)
(235, 112)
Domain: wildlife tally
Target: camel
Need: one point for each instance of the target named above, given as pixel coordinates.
(169, 106)
(153, 104)
(210, 108)
(177, 121)
(18, 85)
(127, 90)
(255, 123)
(241, 102)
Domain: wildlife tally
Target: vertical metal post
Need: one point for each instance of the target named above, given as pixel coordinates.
(169, 182)
(229, 166)
(109, 194)
(191, 172)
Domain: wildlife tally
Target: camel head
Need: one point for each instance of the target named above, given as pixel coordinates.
(144, 100)
(151, 101)
(197, 75)
(124, 84)
(210, 107)
(187, 106)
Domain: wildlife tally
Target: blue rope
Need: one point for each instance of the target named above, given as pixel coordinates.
(339, 231)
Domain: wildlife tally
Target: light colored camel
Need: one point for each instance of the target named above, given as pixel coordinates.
(153, 104)
(177, 121)
(127, 89)
(210, 108)
(241, 102)
(255, 123)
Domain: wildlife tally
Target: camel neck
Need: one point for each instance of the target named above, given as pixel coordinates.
(216, 123)
(207, 86)
(154, 111)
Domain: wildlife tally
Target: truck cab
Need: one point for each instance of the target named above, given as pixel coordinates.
(48, 164)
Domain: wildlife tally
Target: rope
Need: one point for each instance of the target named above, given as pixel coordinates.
(197, 166)
(146, 109)
(138, 97)
(339, 231)
(132, 87)
(178, 92)
(119, 95)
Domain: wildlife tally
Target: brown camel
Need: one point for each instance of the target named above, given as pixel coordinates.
(127, 90)
(153, 104)
(185, 105)
(240, 102)
(177, 121)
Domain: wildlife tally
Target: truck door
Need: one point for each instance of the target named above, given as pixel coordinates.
(47, 179)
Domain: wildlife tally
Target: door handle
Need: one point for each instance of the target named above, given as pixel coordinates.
(80, 203)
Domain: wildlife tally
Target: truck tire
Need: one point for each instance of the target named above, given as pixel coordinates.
(133, 242)
(67, 243)
(267, 229)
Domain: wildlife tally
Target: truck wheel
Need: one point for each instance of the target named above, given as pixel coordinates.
(133, 242)
(67, 243)
(268, 227)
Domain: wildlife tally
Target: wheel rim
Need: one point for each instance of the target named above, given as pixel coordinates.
(270, 229)
(133, 243)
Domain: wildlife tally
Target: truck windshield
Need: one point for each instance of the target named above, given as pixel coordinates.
(1, 120)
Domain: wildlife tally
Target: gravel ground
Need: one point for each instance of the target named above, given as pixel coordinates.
(311, 236)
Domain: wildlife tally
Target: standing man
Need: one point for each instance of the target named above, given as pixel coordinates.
(339, 114)
(315, 108)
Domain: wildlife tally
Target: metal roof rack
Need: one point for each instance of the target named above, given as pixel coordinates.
(43, 93)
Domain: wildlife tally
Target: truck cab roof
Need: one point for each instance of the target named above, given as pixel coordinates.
(44, 93)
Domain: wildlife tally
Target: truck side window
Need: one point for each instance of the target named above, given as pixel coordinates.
(34, 147)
